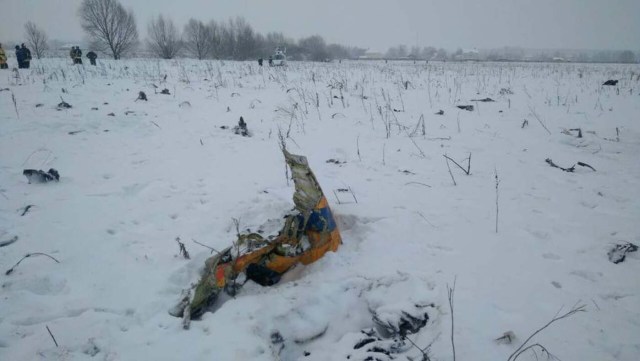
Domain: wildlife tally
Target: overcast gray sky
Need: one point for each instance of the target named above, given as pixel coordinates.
(376, 24)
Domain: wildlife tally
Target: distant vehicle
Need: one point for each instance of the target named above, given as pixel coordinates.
(279, 58)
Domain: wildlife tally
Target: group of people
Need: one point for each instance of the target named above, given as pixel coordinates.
(76, 55)
(23, 55)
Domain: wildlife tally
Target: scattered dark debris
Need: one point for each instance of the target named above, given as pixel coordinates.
(111, 115)
(397, 110)
(4, 89)
(342, 190)
(524, 123)
(363, 342)
(183, 249)
(241, 128)
(500, 111)
(407, 172)
(378, 345)
(142, 96)
(468, 108)
(105, 103)
(341, 97)
(165, 91)
(64, 91)
(440, 112)
(90, 348)
(570, 169)
(405, 323)
(336, 161)
(39, 105)
(235, 94)
(619, 252)
(106, 130)
(276, 338)
(306, 353)
(9, 241)
(506, 91)
(485, 100)
(129, 112)
(568, 131)
(39, 176)
(94, 108)
(228, 109)
(26, 209)
(75, 132)
(224, 127)
(551, 163)
(64, 105)
(611, 82)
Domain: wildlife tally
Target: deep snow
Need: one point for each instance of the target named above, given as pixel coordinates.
(133, 182)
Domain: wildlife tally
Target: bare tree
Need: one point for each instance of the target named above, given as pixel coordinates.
(109, 25)
(198, 39)
(246, 45)
(36, 38)
(215, 38)
(164, 40)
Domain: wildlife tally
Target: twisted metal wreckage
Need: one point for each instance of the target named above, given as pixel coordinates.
(306, 236)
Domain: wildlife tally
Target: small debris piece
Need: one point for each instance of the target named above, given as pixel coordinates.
(276, 338)
(8, 242)
(468, 108)
(363, 342)
(506, 91)
(165, 91)
(183, 249)
(506, 338)
(551, 163)
(485, 100)
(94, 108)
(142, 96)
(618, 253)
(90, 348)
(185, 104)
(440, 112)
(335, 161)
(39, 176)
(26, 209)
(611, 82)
(39, 105)
(75, 132)
(241, 128)
(586, 165)
(64, 105)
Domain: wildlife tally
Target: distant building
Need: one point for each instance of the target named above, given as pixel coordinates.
(468, 55)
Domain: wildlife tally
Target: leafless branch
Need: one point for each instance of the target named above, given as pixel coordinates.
(575, 309)
(10, 270)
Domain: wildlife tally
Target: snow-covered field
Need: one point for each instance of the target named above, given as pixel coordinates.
(133, 181)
